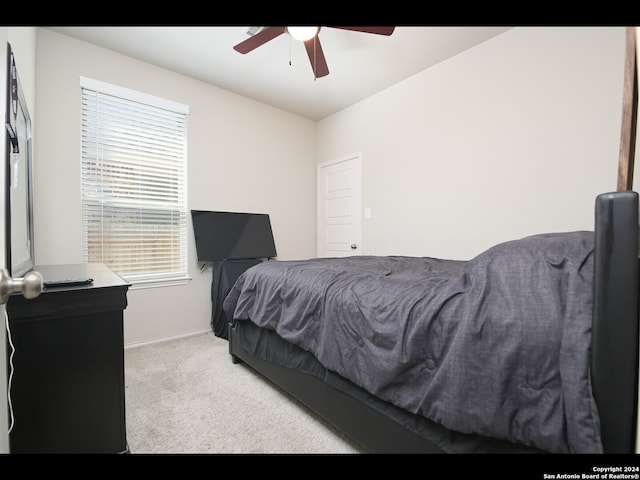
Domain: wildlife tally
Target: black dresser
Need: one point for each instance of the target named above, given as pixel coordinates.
(67, 387)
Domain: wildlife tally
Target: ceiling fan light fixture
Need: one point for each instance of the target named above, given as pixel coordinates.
(303, 33)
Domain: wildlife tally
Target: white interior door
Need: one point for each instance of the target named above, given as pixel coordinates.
(340, 207)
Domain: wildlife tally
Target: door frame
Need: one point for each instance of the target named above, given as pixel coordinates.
(4, 415)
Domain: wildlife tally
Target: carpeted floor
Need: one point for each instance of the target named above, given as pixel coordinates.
(186, 396)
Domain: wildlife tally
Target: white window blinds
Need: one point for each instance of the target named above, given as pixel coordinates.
(134, 214)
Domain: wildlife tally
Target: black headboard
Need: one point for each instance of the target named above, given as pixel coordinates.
(614, 362)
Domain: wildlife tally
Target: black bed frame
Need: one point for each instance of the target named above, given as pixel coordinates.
(614, 346)
(614, 363)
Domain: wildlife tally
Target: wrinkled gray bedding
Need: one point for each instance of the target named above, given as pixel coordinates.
(496, 346)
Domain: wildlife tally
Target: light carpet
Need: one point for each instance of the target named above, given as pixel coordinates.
(185, 396)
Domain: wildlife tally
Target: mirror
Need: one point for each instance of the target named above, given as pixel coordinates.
(19, 201)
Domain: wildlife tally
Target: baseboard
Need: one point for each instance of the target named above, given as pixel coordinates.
(166, 339)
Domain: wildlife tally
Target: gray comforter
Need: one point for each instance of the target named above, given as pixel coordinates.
(497, 345)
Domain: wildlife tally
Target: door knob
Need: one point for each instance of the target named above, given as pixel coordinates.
(353, 246)
(30, 285)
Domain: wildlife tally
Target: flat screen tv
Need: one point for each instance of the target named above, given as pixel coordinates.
(232, 236)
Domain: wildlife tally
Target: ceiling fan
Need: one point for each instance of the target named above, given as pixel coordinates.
(309, 36)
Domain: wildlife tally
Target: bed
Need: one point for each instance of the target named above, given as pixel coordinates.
(516, 350)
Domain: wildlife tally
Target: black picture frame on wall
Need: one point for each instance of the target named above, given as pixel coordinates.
(18, 172)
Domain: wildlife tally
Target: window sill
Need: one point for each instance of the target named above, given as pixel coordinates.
(167, 282)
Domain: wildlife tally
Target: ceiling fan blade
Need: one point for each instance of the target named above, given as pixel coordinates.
(316, 57)
(259, 39)
(377, 30)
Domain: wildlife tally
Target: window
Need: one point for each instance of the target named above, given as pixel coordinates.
(134, 209)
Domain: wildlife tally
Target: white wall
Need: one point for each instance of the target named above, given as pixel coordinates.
(513, 137)
(242, 156)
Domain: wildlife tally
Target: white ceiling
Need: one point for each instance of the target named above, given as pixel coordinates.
(279, 72)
